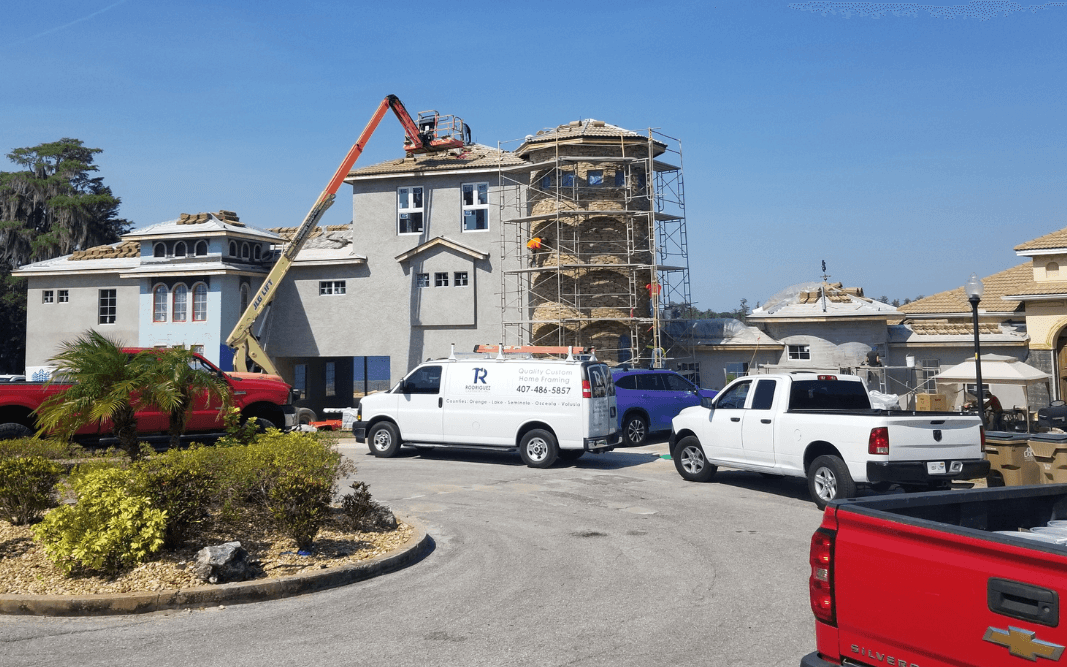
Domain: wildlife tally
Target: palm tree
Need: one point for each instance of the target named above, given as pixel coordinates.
(104, 386)
(176, 382)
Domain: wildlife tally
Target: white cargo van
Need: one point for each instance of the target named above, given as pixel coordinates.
(546, 408)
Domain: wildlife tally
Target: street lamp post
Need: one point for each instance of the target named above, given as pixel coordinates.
(974, 289)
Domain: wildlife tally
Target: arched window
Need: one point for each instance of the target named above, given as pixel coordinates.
(233, 248)
(245, 251)
(199, 302)
(159, 250)
(201, 248)
(181, 302)
(244, 297)
(179, 249)
(159, 303)
(257, 251)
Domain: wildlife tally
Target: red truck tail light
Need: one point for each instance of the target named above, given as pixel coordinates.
(821, 582)
(879, 441)
(587, 390)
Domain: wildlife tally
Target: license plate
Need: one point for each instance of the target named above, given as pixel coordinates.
(935, 467)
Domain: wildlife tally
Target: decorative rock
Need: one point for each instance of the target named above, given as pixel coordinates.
(223, 563)
(380, 518)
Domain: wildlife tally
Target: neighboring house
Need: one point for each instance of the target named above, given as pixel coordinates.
(181, 282)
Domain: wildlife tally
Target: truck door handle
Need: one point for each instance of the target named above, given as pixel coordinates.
(765, 421)
(440, 402)
(735, 419)
(1025, 602)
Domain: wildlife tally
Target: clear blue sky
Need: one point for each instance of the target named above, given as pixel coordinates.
(906, 151)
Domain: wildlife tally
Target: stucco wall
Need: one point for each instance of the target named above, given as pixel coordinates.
(49, 325)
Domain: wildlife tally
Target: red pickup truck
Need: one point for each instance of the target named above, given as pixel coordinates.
(968, 578)
(266, 397)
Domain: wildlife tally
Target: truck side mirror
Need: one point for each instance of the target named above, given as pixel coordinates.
(706, 402)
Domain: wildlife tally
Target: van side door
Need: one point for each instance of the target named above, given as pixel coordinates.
(419, 408)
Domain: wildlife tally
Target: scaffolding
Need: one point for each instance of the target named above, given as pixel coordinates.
(593, 237)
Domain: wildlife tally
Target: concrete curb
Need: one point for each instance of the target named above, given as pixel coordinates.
(417, 546)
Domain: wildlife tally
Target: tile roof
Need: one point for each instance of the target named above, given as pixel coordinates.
(579, 129)
(805, 300)
(121, 249)
(996, 286)
(953, 329)
(1055, 240)
(1044, 288)
(202, 223)
(474, 156)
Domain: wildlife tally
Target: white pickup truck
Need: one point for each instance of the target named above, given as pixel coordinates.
(823, 427)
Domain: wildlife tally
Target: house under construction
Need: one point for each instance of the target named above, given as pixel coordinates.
(596, 233)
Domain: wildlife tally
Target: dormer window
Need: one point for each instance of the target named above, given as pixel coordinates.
(201, 248)
(233, 248)
(179, 249)
(159, 250)
(246, 251)
(257, 252)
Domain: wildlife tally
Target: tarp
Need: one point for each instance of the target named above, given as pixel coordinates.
(996, 369)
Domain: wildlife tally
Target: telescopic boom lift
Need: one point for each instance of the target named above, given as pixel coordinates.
(430, 133)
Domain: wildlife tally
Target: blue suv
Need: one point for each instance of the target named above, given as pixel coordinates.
(649, 399)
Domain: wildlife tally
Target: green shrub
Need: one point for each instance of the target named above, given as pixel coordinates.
(107, 529)
(47, 448)
(361, 512)
(27, 487)
(239, 431)
(180, 482)
(300, 504)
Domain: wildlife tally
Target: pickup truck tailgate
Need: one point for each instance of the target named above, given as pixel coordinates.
(919, 593)
(921, 438)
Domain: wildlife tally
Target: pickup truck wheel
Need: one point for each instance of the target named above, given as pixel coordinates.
(829, 479)
(383, 440)
(12, 431)
(538, 448)
(635, 430)
(690, 462)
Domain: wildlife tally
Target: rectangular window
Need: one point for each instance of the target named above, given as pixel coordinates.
(546, 181)
(300, 379)
(422, 280)
(409, 210)
(370, 374)
(596, 177)
(475, 206)
(48, 296)
(736, 369)
(930, 368)
(440, 279)
(331, 287)
(798, 352)
(460, 278)
(63, 296)
(108, 305)
(620, 178)
(568, 179)
(331, 378)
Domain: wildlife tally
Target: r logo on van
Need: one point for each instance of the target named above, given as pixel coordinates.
(479, 375)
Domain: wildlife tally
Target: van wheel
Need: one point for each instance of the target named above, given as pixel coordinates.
(14, 431)
(635, 429)
(690, 462)
(571, 454)
(383, 440)
(538, 449)
(829, 479)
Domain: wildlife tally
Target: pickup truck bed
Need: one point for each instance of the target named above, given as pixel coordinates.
(939, 579)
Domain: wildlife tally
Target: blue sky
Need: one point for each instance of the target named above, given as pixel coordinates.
(905, 150)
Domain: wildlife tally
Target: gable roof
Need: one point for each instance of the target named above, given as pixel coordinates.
(473, 156)
(1055, 241)
(445, 242)
(997, 286)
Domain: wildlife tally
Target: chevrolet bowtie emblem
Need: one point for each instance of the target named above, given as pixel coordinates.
(1021, 643)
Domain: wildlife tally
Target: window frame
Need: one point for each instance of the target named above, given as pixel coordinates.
(246, 251)
(200, 306)
(594, 177)
(332, 288)
(62, 296)
(330, 372)
(233, 249)
(107, 305)
(181, 315)
(159, 249)
(440, 279)
(460, 279)
(422, 280)
(196, 249)
(245, 291)
(798, 352)
(476, 206)
(160, 303)
(184, 249)
(409, 209)
(48, 296)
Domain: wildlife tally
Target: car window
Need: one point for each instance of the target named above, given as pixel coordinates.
(676, 382)
(734, 397)
(764, 395)
(423, 380)
(599, 381)
(649, 382)
(626, 382)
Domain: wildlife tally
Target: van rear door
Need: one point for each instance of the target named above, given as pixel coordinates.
(598, 407)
